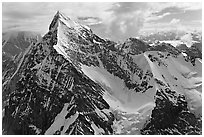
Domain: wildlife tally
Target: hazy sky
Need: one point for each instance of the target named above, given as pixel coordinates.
(117, 21)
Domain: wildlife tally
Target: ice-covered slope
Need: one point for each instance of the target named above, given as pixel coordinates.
(68, 32)
(135, 107)
(179, 75)
(118, 95)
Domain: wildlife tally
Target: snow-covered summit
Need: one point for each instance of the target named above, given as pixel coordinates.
(71, 37)
(60, 19)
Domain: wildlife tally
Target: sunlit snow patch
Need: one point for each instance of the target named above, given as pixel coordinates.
(60, 121)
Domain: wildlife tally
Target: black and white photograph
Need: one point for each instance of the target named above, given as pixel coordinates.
(101, 68)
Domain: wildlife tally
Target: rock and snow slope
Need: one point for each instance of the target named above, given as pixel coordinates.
(175, 73)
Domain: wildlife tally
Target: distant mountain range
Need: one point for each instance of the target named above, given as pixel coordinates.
(172, 36)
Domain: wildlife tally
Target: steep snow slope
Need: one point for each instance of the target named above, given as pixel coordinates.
(178, 74)
(118, 95)
(135, 107)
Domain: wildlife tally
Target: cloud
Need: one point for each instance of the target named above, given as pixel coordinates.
(89, 20)
(23, 10)
(36, 16)
(126, 21)
(171, 10)
(127, 7)
(116, 21)
(174, 21)
(175, 26)
(159, 6)
(154, 17)
(190, 5)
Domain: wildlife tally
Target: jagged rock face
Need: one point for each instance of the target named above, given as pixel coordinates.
(171, 115)
(169, 118)
(8, 67)
(164, 47)
(193, 52)
(134, 46)
(67, 83)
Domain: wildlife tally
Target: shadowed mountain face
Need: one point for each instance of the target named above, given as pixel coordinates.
(15, 42)
(14, 45)
(74, 82)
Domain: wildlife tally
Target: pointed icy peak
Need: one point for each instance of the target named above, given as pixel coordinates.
(63, 19)
(58, 16)
(62, 16)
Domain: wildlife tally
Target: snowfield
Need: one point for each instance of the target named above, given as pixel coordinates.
(182, 77)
